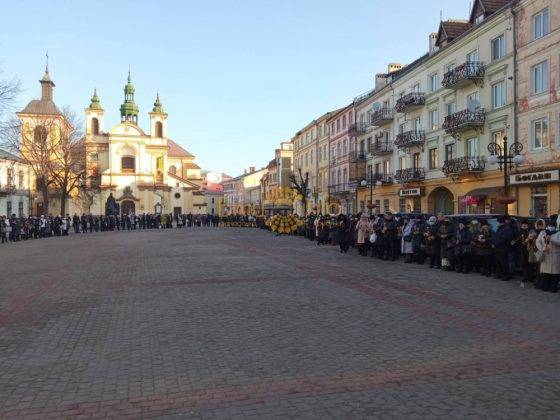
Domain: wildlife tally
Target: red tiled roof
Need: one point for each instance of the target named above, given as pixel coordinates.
(177, 151)
(191, 165)
(451, 29)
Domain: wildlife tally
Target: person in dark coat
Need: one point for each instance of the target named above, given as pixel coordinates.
(390, 237)
(501, 243)
(343, 235)
(445, 233)
(462, 248)
(432, 242)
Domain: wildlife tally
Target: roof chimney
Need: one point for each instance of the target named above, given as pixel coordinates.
(432, 40)
(380, 80)
(251, 169)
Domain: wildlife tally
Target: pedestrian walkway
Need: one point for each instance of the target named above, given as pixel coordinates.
(237, 322)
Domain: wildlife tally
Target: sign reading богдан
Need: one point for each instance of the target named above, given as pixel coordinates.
(534, 177)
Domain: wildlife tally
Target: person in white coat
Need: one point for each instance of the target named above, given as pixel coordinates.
(548, 243)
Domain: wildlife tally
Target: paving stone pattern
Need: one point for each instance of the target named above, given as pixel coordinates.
(239, 323)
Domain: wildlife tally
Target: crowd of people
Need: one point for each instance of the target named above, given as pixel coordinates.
(512, 247)
(14, 229)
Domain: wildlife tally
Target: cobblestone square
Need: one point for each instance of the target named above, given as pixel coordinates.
(238, 323)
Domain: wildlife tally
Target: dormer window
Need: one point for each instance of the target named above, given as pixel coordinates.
(479, 19)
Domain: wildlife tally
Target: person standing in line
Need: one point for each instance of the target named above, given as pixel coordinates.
(502, 244)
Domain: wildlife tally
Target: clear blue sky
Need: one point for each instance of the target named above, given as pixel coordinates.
(236, 77)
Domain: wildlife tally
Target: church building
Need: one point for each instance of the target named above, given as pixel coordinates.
(144, 172)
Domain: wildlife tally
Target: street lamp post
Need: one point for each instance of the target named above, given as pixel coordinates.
(364, 183)
(506, 159)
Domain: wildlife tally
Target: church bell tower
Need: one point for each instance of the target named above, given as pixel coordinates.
(129, 109)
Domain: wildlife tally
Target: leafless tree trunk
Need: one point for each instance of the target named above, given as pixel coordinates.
(301, 185)
(9, 89)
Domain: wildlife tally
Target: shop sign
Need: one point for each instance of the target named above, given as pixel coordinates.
(534, 177)
(411, 192)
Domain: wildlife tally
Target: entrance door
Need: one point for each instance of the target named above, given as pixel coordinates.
(177, 212)
(440, 201)
(127, 207)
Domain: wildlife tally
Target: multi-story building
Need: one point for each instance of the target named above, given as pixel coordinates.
(537, 31)
(233, 195)
(311, 156)
(276, 184)
(347, 164)
(323, 149)
(433, 119)
(14, 185)
(252, 190)
(214, 191)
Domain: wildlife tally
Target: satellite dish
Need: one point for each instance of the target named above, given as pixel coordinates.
(473, 105)
(376, 106)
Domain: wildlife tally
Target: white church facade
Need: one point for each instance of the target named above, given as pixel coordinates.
(145, 172)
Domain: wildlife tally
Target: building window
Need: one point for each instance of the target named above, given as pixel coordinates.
(173, 170)
(387, 167)
(499, 94)
(10, 177)
(20, 209)
(498, 47)
(337, 125)
(472, 147)
(402, 205)
(128, 164)
(433, 158)
(416, 161)
(448, 152)
(451, 108)
(159, 129)
(344, 147)
(433, 115)
(95, 126)
(402, 162)
(386, 205)
(539, 78)
(540, 24)
(8, 208)
(498, 137)
(539, 201)
(433, 82)
(472, 57)
(539, 133)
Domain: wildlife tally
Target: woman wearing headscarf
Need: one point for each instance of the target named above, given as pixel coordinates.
(407, 247)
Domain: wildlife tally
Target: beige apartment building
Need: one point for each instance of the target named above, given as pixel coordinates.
(434, 118)
(311, 155)
(537, 30)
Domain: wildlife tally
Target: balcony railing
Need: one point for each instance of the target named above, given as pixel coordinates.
(410, 138)
(410, 175)
(361, 127)
(467, 165)
(382, 116)
(383, 178)
(381, 147)
(464, 120)
(410, 100)
(470, 71)
(343, 188)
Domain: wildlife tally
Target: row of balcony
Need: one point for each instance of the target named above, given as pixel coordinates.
(454, 168)
(466, 73)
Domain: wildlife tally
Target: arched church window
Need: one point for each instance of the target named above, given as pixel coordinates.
(173, 170)
(159, 129)
(128, 164)
(40, 134)
(95, 126)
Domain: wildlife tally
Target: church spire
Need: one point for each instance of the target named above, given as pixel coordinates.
(95, 103)
(47, 84)
(129, 109)
(158, 107)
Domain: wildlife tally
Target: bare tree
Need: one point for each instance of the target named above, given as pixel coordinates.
(9, 89)
(53, 149)
(301, 186)
(68, 163)
(32, 143)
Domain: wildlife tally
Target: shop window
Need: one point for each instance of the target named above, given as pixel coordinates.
(539, 201)
(416, 203)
